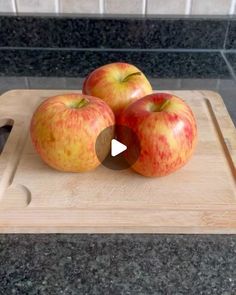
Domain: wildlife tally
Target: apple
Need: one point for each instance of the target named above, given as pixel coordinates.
(118, 84)
(167, 131)
(64, 130)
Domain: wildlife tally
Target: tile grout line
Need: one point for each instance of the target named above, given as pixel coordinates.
(229, 50)
(218, 84)
(14, 6)
(232, 7)
(144, 7)
(95, 49)
(101, 6)
(188, 7)
(226, 35)
(231, 70)
(27, 82)
(57, 6)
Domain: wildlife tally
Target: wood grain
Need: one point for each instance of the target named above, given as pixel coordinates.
(199, 198)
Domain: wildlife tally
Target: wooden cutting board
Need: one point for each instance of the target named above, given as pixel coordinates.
(199, 198)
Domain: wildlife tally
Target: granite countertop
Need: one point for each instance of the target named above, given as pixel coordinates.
(119, 264)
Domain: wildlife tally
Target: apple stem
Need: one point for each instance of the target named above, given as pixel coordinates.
(77, 105)
(82, 103)
(164, 104)
(131, 75)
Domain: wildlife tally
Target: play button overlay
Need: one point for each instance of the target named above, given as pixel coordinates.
(117, 147)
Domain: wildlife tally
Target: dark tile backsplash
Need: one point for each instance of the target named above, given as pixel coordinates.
(232, 59)
(73, 63)
(231, 37)
(142, 33)
(73, 46)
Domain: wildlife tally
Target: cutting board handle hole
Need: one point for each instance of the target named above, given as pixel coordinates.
(5, 130)
(17, 196)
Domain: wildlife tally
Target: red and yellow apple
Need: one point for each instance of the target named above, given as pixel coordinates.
(167, 131)
(118, 84)
(64, 130)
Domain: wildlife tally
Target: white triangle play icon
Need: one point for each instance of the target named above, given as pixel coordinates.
(117, 147)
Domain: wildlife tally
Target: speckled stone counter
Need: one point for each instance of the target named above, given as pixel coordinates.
(154, 32)
(74, 63)
(118, 264)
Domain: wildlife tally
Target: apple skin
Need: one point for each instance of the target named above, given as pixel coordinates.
(64, 132)
(167, 131)
(108, 83)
